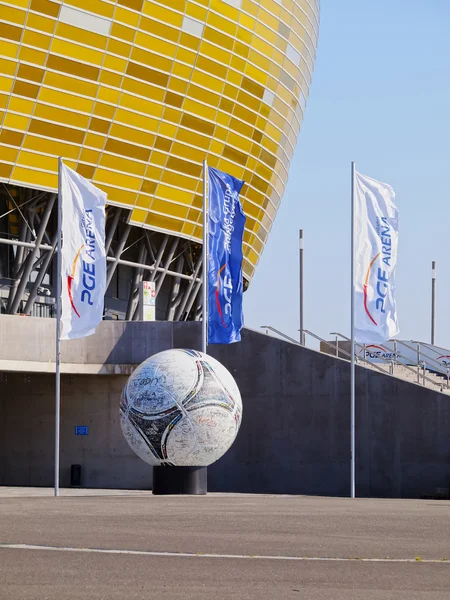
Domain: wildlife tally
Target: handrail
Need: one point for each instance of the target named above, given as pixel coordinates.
(340, 350)
(280, 333)
(399, 354)
(420, 352)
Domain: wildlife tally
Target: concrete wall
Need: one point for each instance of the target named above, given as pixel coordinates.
(295, 432)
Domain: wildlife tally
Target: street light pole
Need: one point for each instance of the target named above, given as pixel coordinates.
(301, 250)
(433, 302)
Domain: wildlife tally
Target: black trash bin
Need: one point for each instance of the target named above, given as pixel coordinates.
(75, 475)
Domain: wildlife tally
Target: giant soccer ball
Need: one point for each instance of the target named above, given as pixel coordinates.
(180, 408)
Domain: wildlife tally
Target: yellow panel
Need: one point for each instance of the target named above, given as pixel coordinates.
(131, 118)
(123, 32)
(165, 223)
(89, 156)
(39, 40)
(80, 53)
(5, 84)
(30, 55)
(167, 129)
(159, 158)
(8, 49)
(138, 216)
(41, 23)
(199, 109)
(126, 16)
(64, 82)
(196, 12)
(7, 67)
(94, 141)
(181, 70)
(60, 115)
(21, 3)
(50, 147)
(98, 7)
(35, 178)
(145, 106)
(81, 35)
(66, 100)
(8, 154)
(37, 161)
(131, 135)
(115, 64)
(13, 121)
(123, 164)
(12, 15)
(119, 179)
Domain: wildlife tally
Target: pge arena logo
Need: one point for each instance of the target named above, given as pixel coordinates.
(227, 292)
(444, 360)
(70, 279)
(87, 276)
(381, 286)
(373, 351)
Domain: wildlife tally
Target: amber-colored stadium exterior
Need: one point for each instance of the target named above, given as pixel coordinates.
(134, 94)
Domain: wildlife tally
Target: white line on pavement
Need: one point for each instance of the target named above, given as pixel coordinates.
(232, 556)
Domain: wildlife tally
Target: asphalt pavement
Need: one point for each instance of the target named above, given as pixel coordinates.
(110, 545)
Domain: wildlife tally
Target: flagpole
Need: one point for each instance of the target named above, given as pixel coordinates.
(58, 333)
(352, 349)
(205, 262)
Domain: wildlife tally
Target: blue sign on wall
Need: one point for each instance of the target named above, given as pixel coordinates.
(81, 430)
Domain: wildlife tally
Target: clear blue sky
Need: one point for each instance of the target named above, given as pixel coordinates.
(380, 96)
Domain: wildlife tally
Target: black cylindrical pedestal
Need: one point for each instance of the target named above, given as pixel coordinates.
(180, 480)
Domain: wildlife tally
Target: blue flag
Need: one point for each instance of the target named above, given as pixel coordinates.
(225, 284)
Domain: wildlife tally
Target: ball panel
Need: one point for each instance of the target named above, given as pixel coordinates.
(162, 382)
(201, 437)
(137, 441)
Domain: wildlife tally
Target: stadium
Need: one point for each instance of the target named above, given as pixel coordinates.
(134, 95)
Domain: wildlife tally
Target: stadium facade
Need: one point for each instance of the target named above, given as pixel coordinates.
(134, 95)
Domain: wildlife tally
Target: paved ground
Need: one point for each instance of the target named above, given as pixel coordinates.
(115, 545)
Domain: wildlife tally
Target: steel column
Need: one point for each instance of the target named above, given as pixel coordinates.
(112, 230)
(174, 292)
(32, 255)
(167, 265)
(159, 256)
(120, 247)
(17, 264)
(182, 306)
(137, 271)
(42, 271)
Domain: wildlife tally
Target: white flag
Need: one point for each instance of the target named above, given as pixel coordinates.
(83, 259)
(376, 242)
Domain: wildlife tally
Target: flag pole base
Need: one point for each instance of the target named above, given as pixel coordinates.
(180, 480)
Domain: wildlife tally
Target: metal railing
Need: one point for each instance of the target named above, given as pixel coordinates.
(388, 367)
(319, 339)
(419, 369)
(280, 333)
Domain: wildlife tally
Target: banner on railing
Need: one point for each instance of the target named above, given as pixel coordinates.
(406, 352)
(376, 240)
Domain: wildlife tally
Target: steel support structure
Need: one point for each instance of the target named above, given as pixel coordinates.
(173, 263)
(32, 256)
